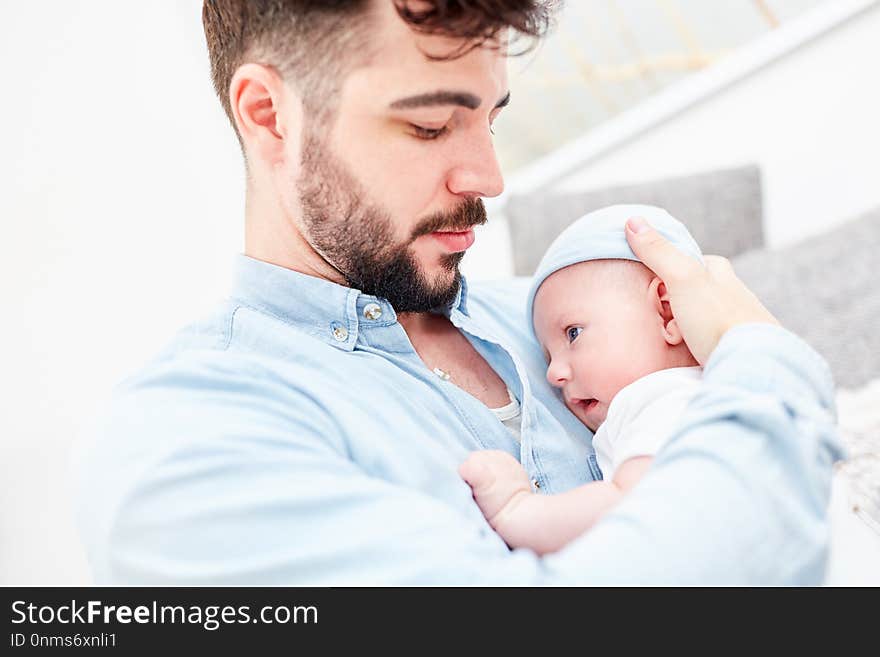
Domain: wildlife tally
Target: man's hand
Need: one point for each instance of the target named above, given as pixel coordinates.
(706, 301)
(498, 482)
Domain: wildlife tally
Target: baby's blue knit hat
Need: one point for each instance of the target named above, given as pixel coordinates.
(601, 235)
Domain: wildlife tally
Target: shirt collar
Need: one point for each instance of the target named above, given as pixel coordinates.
(331, 312)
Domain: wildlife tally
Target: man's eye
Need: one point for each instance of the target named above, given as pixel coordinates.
(427, 133)
(572, 332)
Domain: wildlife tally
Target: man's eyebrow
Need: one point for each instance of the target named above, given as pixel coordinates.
(433, 98)
(462, 98)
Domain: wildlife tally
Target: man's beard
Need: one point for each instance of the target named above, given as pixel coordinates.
(357, 237)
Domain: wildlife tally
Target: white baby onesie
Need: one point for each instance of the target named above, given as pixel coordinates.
(643, 415)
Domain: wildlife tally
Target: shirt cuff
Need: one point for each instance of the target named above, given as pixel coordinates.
(768, 359)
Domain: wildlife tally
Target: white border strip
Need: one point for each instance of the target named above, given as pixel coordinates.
(682, 95)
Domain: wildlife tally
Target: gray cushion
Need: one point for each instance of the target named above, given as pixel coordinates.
(825, 290)
(722, 209)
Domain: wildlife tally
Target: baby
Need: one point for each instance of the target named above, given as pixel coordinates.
(615, 352)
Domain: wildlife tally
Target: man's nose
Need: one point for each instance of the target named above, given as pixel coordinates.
(476, 172)
(558, 373)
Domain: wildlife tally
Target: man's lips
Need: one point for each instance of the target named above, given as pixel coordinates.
(455, 241)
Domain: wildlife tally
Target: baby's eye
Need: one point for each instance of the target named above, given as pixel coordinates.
(572, 332)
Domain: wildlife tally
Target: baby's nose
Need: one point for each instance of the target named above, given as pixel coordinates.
(557, 373)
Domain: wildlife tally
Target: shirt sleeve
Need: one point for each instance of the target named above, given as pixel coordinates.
(740, 493)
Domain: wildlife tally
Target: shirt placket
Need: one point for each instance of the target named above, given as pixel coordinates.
(389, 340)
(528, 458)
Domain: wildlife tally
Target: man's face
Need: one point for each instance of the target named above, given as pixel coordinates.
(390, 192)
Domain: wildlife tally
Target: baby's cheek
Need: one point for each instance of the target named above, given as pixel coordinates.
(617, 379)
(635, 360)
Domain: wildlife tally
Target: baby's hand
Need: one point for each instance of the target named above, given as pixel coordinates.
(498, 481)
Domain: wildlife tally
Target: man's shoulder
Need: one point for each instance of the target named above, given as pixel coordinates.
(233, 340)
(509, 293)
(225, 365)
(210, 395)
(501, 305)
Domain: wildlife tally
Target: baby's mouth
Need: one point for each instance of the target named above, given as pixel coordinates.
(585, 405)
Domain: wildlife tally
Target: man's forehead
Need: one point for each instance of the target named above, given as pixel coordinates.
(400, 88)
(411, 68)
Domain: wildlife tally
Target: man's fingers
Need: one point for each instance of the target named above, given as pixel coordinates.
(707, 300)
(718, 265)
(657, 252)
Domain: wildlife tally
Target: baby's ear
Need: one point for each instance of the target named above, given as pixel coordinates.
(660, 299)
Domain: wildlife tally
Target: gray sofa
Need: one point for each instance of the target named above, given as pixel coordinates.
(722, 209)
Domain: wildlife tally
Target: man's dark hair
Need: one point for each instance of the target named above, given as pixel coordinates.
(314, 42)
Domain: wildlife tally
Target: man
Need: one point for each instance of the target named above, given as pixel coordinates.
(310, 431)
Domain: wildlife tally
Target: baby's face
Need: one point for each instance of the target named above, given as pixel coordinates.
(600, 329)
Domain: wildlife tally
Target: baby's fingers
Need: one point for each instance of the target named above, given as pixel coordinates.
(495, 478)
(476, 473)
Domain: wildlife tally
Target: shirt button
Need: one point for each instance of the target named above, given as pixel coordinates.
(372, 311)
(536, 484)
(340, 333)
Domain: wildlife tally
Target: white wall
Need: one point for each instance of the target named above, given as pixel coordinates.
(121, 203)
(809, 119)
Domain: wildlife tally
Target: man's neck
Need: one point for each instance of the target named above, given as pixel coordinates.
(422, 324)
(446, 351)
(271, 235)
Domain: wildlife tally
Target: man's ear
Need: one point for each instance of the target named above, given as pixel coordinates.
(267, 113)
(659, 298)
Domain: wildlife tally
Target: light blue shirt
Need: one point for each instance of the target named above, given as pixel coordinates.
(296, 437)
